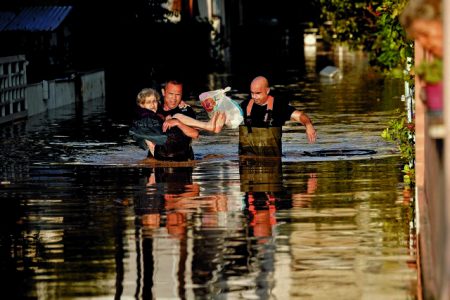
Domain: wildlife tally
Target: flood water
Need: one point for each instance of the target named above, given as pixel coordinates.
(85, 216)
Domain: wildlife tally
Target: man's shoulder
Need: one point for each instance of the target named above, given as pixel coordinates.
(281, 101)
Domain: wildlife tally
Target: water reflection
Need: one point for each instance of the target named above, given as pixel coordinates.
(266, 197)
(193, 240)
(234, 229)
(310, 60)
(171, 218)
(261, 181)
(84, 216)
(162, 208)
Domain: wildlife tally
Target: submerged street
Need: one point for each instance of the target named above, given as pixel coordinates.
(87, 217)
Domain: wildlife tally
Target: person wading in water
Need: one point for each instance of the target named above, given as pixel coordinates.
(263, 118)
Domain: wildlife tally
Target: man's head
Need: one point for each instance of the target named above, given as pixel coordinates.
(172, 93)
(259, 89)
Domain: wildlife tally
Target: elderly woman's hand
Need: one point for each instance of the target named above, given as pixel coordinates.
(170, 123)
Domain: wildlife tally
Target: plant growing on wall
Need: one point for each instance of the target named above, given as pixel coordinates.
(391, 48)
(401, 132)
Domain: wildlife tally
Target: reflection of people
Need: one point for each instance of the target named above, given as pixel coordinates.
(166, 207)
(422, 21)
(174, 194)
(149, 206)
(261, 207)
(161, 258)
(304, 199)
(264, 116)
(262, 181)
(162, 190)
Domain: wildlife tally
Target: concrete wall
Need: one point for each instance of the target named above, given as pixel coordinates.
(93, 85)
(52, 94)
(48, 95)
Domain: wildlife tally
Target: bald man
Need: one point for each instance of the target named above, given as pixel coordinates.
(264, 117)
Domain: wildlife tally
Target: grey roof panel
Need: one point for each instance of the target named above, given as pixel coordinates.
(40, 18)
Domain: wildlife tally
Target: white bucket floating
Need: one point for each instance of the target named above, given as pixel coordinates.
(330, 71)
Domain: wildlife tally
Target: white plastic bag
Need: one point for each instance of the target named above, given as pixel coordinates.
(213, 101)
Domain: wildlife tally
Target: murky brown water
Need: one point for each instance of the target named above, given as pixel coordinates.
(85, 217)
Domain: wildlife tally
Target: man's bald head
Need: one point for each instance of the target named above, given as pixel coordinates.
(259, 89)
(260, 81)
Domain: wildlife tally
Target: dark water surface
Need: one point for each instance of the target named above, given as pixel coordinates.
(86, 217)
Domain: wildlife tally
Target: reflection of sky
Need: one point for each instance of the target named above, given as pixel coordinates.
(310, 60)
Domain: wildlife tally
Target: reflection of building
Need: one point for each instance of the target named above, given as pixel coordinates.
(310, 60)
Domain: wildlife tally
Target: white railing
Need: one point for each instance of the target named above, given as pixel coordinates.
(13, 82)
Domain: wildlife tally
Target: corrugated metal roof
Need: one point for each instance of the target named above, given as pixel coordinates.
(41, 18)
(5, 18)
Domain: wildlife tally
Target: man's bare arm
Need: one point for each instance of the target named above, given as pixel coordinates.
(187, 130)
(303, 118)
